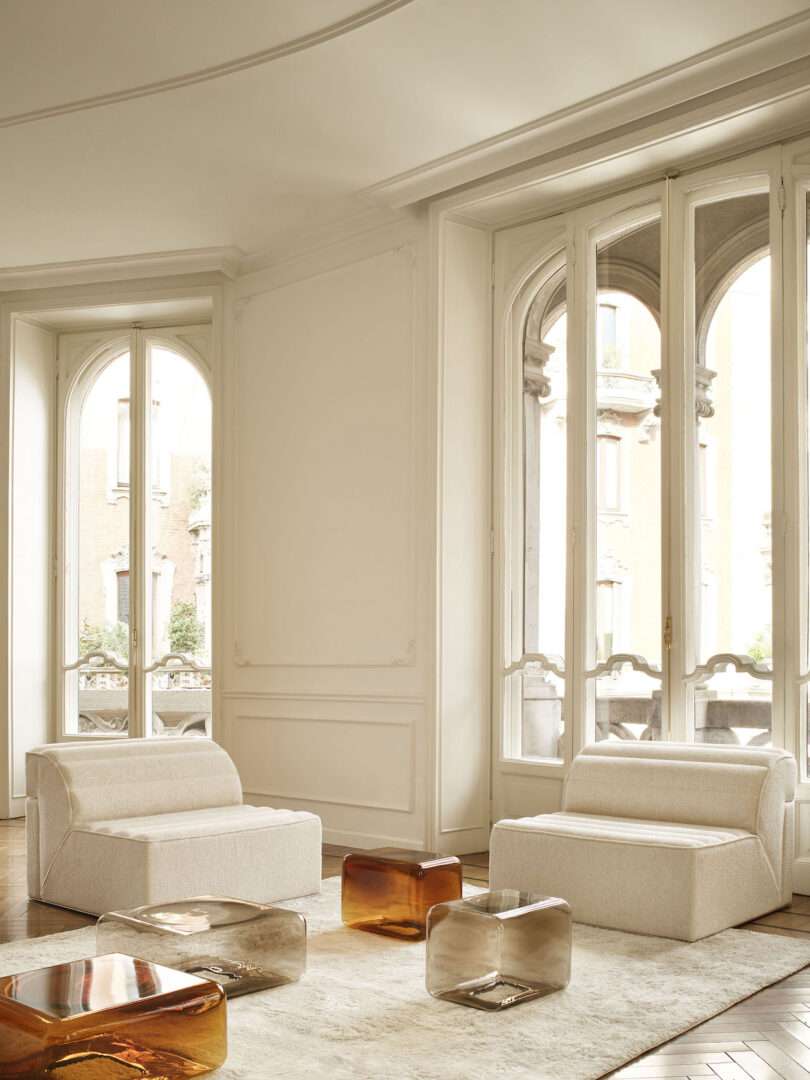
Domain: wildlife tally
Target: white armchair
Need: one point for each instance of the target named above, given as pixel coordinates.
(660, 838)
(142, 821)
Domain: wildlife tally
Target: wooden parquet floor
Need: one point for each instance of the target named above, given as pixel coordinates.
(765, 1037)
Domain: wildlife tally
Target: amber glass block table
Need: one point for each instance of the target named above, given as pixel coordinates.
(387, 891)
(241, 945)
(110, 1018)
(498, 949)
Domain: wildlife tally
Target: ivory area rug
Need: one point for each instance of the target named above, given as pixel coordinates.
(361, 1012)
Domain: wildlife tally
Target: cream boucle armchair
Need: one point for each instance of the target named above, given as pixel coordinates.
(142, 821)
(660, 838)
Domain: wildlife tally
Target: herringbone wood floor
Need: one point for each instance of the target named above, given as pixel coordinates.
(766, 1037)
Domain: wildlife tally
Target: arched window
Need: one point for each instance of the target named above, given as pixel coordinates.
(651, 560)
(135, 581)
(627, 504)
(735, 549)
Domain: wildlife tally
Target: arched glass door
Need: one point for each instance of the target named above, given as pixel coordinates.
(134, 566)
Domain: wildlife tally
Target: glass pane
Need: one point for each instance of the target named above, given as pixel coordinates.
(733, 707)
(628, 705)
(97, 694)
(545, 400)
(732, 478)
(542, 714)
(627, 470)
(180, 583)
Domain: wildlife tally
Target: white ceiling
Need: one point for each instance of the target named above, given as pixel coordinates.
(137, 146)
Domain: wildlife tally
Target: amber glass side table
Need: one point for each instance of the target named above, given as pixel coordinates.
(386, 891)
(110, 1017)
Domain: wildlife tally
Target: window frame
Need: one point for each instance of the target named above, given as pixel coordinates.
(578, 234)
(81, 357)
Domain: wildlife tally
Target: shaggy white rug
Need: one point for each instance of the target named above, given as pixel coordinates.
(361, 1012)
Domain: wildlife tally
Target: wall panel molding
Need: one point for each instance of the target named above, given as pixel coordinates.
(379, 558)
(307, 759)
(311, 695)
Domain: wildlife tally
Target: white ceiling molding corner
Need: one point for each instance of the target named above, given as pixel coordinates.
(722, 71)
(221, 260)
(332, 233)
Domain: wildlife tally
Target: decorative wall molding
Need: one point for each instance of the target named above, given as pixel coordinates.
(216, 71)
(375, 721)
(241, 656)
(271, 789)
(722, 72)
(292, 256)
(307, 696)
(222, 260)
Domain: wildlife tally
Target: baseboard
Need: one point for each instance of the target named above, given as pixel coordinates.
(463, 841)
(342, 838)
(801, 875)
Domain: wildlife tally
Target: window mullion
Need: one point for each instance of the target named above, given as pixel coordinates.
(139, 537)
(581, 435)
(794, 459)
(677, 418)
(780, 423)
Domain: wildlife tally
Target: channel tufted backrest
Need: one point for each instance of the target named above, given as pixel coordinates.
(735, 788)
(136, 777)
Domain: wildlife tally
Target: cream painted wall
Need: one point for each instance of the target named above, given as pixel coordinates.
(327, 497)
(33, 392)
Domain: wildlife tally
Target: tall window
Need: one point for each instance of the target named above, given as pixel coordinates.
(136, 541)
(652, 615)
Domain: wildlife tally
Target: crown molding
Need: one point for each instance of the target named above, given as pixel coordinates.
(327, 235)
(216, 71)
(722, 72)
(223, 260)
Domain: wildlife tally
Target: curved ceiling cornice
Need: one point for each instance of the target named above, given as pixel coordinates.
(216, 71)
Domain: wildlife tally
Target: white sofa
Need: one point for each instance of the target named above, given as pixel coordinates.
(660, 838)
(141, 821)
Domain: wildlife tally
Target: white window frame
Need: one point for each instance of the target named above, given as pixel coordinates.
(585, 229)
(81, 358)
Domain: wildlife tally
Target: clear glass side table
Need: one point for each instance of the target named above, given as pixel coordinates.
(498, 949)
(240, 945)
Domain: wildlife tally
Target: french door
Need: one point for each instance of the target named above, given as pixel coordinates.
(648, 564)
(133, 566)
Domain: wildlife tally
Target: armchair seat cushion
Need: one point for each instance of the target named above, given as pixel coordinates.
(646, 877)
(627, 830)
(215, 821)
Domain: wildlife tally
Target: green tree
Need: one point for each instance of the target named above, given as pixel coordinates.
(110, 638)
(186, 632)
(761, 649)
